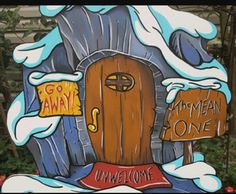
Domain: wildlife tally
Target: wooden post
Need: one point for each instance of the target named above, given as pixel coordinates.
(188, 152)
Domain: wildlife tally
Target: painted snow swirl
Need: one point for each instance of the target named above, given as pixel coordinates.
(41, 127)
(18, 122)
(38, 78)
(33, 54)
(202, 174)
(153, 25)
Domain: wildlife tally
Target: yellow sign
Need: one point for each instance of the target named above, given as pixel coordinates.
(59, 98)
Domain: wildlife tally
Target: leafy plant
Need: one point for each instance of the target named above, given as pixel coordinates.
(214, 151)
(9, 164)
(9, 18)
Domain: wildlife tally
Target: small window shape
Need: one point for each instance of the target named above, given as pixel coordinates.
(120, 81)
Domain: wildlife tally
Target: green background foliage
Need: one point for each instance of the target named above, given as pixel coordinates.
(9, 164)
(219, 152)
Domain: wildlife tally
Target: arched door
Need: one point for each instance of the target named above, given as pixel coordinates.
(120, 110)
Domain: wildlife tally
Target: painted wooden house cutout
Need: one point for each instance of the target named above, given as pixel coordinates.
(127, 65)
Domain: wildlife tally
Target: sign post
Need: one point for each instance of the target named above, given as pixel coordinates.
(195, 114)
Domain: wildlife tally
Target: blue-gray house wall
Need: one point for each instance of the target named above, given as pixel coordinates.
(88, 37)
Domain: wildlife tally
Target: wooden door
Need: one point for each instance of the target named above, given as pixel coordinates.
(120, 110)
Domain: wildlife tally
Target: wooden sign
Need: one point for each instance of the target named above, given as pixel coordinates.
(59, 98)
(105, 176)
(195, 114)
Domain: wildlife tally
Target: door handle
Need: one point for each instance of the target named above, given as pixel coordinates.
(93, 127)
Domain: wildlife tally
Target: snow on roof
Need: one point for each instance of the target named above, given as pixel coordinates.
(38, 78)
(33, 54)
(153, 25)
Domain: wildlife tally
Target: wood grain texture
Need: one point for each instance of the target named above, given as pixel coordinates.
(126, 118)
(195, 114)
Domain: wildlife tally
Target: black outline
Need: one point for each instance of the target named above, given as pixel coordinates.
(123, 74)
(137, 2)
(159, 166)
(82, 78)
